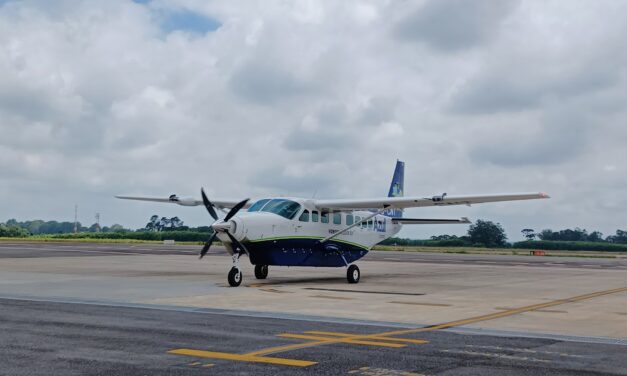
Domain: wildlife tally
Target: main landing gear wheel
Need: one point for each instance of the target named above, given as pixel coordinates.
(235, 277)
(261, 271)
(353, 274)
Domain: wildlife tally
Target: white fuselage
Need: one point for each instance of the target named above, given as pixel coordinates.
(312, 223)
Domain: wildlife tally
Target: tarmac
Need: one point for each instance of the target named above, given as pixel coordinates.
(82, 308)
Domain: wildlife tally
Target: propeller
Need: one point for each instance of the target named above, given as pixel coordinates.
(225, 229)
(208, 205)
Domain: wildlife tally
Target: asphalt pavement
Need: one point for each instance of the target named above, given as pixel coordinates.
(50, 338)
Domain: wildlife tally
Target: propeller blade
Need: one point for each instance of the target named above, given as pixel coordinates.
(205, 248)
(235, 209)
(237, 243)
(208, 205)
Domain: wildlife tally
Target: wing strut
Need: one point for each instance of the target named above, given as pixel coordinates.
(354, 224)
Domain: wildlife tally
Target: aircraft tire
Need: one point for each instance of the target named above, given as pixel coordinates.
(353, 274)
(261, 271)
(235, 277)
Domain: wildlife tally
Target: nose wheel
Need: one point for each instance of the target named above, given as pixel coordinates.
(353, 274)
(235, 277)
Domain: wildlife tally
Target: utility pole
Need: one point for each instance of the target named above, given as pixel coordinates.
(97, 222)
(75, 219)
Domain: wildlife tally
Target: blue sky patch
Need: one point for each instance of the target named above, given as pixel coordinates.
(182, 20)
(186, 20)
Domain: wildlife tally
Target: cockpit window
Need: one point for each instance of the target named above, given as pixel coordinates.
(284, 208)
(258, 205)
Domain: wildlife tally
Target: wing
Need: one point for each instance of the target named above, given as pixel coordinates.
(423, 221)
(413, 202)
(187, 201)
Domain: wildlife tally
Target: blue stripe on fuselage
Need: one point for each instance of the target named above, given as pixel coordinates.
(303, 252)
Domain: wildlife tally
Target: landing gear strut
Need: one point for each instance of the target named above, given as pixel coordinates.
(261, 271)
(353, 274)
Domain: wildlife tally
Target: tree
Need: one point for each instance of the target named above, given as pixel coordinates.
(175, 222)
(117, 228)
(595, 236)
(528, 233)
(487, 233)
(163, 224)
(153, 224)
(13, 231)
(620, 237)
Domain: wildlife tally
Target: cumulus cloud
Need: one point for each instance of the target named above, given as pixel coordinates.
(165, 96)
(453, 25)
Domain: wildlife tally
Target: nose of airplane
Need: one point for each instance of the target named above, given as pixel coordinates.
(222, 226)
(234, 226)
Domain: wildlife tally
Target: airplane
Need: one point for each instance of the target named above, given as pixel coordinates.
(291, 231)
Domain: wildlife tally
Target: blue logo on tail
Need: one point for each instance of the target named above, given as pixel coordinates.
(396, 188)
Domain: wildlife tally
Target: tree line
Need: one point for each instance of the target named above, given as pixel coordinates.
(489, 234)
(14, 228)
(480, 234)
(575, 235)
(41, 227)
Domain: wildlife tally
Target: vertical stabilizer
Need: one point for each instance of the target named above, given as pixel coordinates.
(397, 187)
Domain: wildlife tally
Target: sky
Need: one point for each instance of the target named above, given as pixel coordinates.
(314, 99)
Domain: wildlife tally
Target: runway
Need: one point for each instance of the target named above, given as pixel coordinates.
(153, 309)
(39, 249)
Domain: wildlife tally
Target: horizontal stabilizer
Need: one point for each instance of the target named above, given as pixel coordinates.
(423, 221)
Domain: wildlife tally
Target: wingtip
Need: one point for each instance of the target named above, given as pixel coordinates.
(544, 195)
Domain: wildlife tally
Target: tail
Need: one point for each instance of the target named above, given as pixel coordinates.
(397, 187)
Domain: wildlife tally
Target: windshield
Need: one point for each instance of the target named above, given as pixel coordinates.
(282, 207)
(258, 205)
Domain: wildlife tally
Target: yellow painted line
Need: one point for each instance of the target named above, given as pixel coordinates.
(242, 357)
(408, 340)
(208, 365)
(332, 334)
(382, 338)
(447, 325)
(348, 340)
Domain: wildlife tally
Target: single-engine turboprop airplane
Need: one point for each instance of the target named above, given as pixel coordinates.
(311, 232)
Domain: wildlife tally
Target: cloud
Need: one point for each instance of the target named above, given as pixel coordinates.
(280, 98)
(266, 84)
(454, 25)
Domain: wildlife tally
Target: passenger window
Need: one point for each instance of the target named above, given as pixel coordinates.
(337, 218)
(324, 217)
(314, 216)
(305, 216)
(349, 219)
(370, 224)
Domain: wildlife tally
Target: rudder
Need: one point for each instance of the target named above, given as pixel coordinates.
(397, 187)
